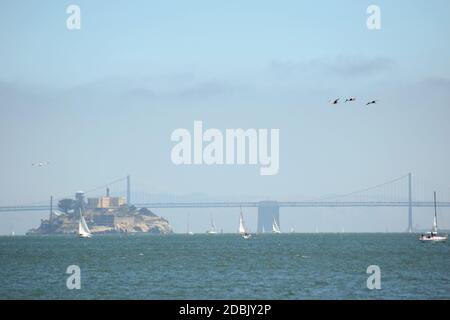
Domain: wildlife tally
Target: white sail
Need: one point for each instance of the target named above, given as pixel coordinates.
(242, 229)
(275, 227)
(434, 229)
(241, 225)
(188, 229)
(83, 229)
(213, 229)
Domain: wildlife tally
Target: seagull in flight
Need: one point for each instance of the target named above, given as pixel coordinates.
(351, 99)
(335, 101)
(40, 164)
(371, 102)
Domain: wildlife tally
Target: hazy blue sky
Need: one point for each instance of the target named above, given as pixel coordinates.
(101, 102)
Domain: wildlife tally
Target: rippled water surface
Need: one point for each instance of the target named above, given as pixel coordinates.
(286, 266)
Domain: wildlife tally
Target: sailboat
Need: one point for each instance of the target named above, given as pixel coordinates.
(242, 230)
(275, 227)
(189, 232)
(83, 230)
(213, 229)
(433, 234)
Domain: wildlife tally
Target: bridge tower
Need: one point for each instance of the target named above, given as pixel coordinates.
(267, 211)
(410, 217)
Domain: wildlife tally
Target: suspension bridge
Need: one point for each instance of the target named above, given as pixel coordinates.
(396, 193)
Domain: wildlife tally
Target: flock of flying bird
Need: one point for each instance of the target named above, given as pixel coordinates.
(352, 99)
(335, 101)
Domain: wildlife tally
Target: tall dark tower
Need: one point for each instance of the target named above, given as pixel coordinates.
(267, 212)
(128, 191)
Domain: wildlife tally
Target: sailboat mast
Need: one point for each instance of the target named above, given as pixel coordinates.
(242, 227)
(435, 209)
(213, 225)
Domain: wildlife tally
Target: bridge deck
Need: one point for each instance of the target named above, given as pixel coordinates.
(282, 204)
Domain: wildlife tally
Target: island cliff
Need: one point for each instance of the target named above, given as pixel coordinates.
(112, 220)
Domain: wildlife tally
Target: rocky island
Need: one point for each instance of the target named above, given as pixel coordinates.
(102, 215)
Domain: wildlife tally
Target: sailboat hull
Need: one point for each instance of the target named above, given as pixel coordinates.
(433, 239)
(85, 235)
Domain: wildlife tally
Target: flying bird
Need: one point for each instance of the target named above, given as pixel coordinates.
(40, 164)
(351, 99)
(335, 101)
(371, 102)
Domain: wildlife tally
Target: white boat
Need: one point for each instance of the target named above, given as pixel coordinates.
(433, 234)
(242, 229)
(275, 227)
(213, 229)
(83, 230)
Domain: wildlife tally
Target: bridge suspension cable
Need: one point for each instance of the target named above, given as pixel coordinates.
(106, 185)
(56, 199)
(361, 190)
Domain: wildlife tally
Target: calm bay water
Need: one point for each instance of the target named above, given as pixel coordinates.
(286, 266)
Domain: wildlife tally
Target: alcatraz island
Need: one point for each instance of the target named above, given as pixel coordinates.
(103, 215)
